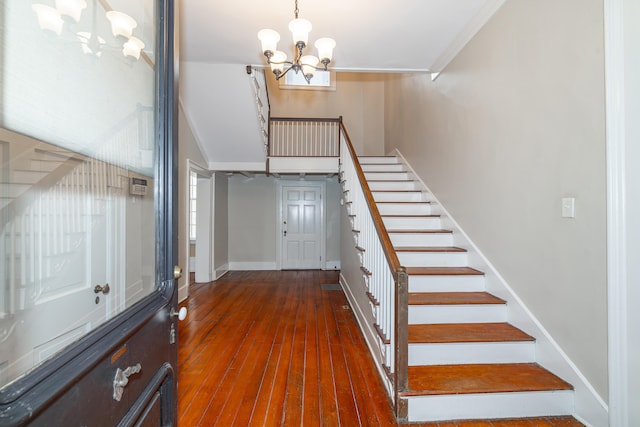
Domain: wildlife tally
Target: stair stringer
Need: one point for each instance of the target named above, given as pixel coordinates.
(589, 407)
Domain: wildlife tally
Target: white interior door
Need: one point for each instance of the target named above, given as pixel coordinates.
(302, 232)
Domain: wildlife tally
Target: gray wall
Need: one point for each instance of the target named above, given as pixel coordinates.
(252, 219)
(512, 125)
(221, 223)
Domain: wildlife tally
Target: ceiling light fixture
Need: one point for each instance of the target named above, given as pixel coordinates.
(300, 29)
(122, 25)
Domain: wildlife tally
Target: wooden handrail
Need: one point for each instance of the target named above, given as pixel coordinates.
(387, 246)
(305, 119)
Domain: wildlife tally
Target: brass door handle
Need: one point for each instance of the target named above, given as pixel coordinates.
(177, 272)
(104, 289)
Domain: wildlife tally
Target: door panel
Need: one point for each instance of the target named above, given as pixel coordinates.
(87, 260)
(302, 227)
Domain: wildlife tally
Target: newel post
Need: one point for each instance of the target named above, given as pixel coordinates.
(401, 343)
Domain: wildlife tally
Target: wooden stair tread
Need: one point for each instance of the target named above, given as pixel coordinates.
(443, 271)
(405, 203)
(410, 216)
(466, 332)
(482, 378)
(396, 191)
(453, 298)
(429, 249)
(420, 231)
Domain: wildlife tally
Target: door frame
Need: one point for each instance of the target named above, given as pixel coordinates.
(38, 391)
(202, 172)
(280, 185)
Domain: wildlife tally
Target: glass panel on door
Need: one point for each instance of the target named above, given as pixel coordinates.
(77, 138)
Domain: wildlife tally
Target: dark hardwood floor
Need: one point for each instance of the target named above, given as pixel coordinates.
(274, 348)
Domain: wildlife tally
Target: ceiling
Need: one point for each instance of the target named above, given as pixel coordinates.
(371, 35)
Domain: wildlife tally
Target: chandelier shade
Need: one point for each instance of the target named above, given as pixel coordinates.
(325, 47)
(48, 18)
(300, 29)
(269, 39)
(132, 47)
(71, 8)
(121, 24)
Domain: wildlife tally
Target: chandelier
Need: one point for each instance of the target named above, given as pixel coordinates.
(300, 29)
(69, 12)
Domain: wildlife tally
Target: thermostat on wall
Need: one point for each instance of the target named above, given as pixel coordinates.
(138, 187)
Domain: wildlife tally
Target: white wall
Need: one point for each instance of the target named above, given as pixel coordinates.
(512, 125)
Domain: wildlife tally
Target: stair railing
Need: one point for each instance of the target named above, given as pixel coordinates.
(386, 279)
(304, 137)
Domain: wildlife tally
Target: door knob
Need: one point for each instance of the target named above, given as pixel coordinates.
(177, 272)
(180, 314)
(104, 289)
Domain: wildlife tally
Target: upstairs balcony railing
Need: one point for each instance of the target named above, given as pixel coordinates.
(304, 137)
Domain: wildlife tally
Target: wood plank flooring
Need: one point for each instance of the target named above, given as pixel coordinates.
(273, 348)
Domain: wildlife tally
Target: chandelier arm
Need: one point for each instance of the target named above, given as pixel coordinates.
(280, 75)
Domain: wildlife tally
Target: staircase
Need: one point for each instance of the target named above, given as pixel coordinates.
(465, 360)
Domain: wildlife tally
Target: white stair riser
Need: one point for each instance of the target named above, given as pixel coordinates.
(465, 313)
(433, 259)
(463, 353)
(412, 223)
(400, 196)
(405, 208)
(377, 160)
(387, 176)
(490, 405)
(421, 239)
(390, 167)
(446, 283)
(394, 185)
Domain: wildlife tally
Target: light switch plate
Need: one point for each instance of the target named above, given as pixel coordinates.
(568, 207)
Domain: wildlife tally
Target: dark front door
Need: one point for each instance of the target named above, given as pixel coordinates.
(88, 152)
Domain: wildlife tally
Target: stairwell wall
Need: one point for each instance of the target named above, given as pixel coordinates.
(512, 125)
(358, 98)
